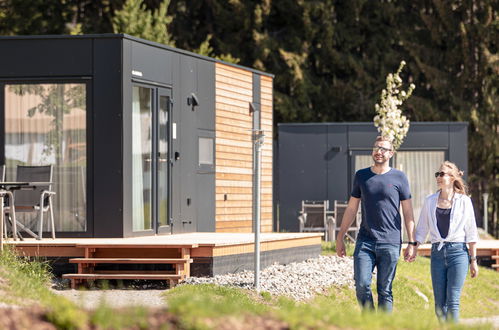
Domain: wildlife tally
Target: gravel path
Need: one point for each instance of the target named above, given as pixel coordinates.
(300, 280)
(91, 299)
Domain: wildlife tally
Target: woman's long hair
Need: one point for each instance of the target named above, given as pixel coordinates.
(459, 184)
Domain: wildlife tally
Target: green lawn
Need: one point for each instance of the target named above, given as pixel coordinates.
(339, 308)
(208, 306)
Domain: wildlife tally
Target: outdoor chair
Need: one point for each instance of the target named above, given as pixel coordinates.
(36, 199)
(339, 211)
(316, 217)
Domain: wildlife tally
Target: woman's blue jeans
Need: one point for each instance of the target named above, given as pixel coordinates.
(384, 256)
(449, 267)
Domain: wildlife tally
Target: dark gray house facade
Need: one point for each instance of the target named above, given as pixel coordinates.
(318, 161)
(130, 126)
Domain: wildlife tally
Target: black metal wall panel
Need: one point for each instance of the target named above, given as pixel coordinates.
(127, 138)
(256, 101)
(152, 63)
(302, 170)
(336, 157)
(60, 57)
(458, 146)
(427, 136)
(107, 125)
(205, 114)
(188, 146)
(176, 124)
(361, 136)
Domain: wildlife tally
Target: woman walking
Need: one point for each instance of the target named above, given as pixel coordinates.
(449, 218)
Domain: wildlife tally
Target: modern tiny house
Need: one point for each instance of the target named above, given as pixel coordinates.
(145, 139)
(317, 161)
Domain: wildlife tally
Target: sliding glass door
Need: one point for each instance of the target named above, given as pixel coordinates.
(150, 157)
(46, 124)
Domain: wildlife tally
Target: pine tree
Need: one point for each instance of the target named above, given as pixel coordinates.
(135, 19)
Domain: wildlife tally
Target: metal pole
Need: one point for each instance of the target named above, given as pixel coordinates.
(257, 144)
(485, 213)
(2, 217)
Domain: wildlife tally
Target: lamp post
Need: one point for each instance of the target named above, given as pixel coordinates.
(258, 138)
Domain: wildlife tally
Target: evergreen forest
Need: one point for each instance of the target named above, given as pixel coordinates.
(330, 58)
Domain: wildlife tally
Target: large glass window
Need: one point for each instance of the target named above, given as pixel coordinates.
(142, 158)
(46, 124)
(419, 166)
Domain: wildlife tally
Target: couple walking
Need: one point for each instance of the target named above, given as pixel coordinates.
(447, 216)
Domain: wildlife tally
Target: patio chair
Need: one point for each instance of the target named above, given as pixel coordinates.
(36, 199)
(316, 217)
(339, 211)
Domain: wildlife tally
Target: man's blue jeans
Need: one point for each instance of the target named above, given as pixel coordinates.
(449, 267)
(384, 256)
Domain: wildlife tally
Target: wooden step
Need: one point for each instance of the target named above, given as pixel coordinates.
(131, 276)
(495, 257)
(495, 265)
(76, 279)
(130, 261)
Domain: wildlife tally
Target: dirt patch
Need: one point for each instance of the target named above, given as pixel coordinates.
(245, 323)
(21, 318)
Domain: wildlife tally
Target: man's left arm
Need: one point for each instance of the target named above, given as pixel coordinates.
(409, 226)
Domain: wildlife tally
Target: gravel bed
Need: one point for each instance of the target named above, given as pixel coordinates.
(299, 280)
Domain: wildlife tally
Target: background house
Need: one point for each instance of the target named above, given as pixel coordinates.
(317, 161)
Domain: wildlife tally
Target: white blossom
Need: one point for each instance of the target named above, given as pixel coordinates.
(389, 119)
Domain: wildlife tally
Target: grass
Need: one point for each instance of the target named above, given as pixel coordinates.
(208, 306)
(27, 283)
(329, 248)
(339, 307)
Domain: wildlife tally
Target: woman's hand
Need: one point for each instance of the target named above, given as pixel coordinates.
(474, 268)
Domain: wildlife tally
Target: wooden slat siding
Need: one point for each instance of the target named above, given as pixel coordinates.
(234, 149)
(266, 96)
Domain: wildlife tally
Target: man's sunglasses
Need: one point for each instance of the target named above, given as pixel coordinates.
(439, 174)
(383, 150)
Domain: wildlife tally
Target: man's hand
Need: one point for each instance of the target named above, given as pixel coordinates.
(410, 253)
(474, 268)
(340, 247)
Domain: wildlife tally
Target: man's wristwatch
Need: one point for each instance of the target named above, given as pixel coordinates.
(472, 258)
(412, 243)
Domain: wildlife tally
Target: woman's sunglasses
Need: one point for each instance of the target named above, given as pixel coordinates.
(439, 174)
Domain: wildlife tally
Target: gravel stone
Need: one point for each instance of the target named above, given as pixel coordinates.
(298, 280)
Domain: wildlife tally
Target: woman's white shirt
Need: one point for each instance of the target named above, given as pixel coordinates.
(462, 226)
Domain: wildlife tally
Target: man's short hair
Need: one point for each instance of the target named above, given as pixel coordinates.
(383, 138)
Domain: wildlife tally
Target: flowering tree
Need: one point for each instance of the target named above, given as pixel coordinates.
(389, 119)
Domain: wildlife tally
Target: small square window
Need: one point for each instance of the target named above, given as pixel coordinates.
(205, 151)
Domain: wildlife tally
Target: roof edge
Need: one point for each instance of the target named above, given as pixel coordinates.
(136, 39)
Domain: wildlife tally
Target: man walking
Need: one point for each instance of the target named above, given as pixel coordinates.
(381, 189)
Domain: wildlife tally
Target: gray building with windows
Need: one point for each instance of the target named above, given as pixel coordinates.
(317, 161)
(130, 127)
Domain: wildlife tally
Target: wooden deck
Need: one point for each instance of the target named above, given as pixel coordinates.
(196, 254)
(485, 248)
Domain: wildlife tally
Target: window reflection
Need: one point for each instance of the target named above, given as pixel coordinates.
(46, 124)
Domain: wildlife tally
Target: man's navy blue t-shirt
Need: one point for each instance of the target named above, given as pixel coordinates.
(381, 195)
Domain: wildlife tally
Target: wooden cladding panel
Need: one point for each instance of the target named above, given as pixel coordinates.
(234, 149)
(267, 125)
